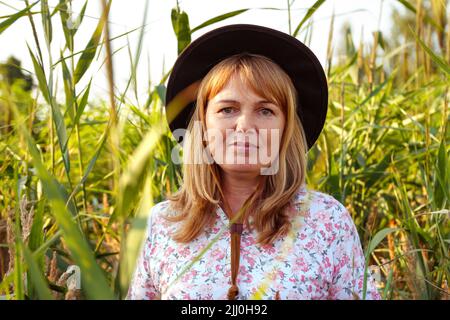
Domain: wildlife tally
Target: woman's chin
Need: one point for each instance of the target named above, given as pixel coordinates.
(244, 168)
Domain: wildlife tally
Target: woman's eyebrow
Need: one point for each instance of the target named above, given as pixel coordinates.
(227, 101)
(237, 102)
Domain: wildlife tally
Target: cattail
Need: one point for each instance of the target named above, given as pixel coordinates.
(371, 219)
(105, 203)
(53, 272)
(411, 266)
(26, 218)
(391, 246)
(446, 292)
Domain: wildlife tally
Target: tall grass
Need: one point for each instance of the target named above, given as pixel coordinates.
(79, 174)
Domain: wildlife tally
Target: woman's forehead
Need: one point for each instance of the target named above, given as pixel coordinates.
(237, 91)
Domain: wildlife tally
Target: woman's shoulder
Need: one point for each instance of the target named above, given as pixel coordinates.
(161, 209)
(321, 207)
(158, 212)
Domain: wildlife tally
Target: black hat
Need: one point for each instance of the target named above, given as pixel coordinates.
(296, 59)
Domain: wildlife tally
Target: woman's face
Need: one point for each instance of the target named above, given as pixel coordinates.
(244, 130)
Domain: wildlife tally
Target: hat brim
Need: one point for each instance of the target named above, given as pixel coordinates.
(296, 59)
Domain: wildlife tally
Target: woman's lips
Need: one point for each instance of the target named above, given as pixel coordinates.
(243, 145)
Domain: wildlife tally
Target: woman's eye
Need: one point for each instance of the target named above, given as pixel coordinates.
(226, 110)
(266, 111)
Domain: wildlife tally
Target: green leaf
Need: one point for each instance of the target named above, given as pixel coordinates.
(219, 18)
(379, 236)
(58, 118)
(46, 21)
(63, 13)
(141, 115)
(180, 24)
(8, 22)
(36, 276)
(136, 235)
(407, 5)
(161, 91)
(380, 40)
(82, 104)
(132, 179)
(309, 13)
(68, 89)
(379, 171)
(89, 52)
(440, 62)
(61, 132)
(80, 16)
(92, 162)
(40, 75)
(36, 234)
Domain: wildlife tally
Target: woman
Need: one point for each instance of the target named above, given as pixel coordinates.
(260, 105)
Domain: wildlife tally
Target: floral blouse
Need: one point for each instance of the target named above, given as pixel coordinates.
(321, 258)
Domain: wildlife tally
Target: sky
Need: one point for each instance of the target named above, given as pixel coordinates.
(159, 50)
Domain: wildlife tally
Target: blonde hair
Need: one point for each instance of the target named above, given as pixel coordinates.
(197, 200)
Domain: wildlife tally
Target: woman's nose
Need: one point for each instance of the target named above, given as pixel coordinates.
(245, 122)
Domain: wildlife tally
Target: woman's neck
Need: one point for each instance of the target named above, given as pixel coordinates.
(237, 187)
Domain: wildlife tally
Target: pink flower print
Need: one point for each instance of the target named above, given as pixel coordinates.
(316, 284)
(150, 295)
(328, 227)
(185, 252)
(169, 251)
(170, 269)
(327, 262)
(322, 234)
(242, 269)
(216, 230)
(301, 264)
(360, 283)
(218, 254)
(302, 236)
(250, 261)
(344, 261)
(145, 265)
(309, 245)
(268, 248)
(306, 213)
(332, 238)
(246, 277)
(248, 240)
(186, 296)
(207, 273)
